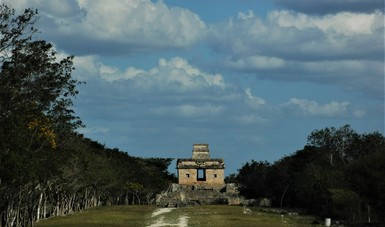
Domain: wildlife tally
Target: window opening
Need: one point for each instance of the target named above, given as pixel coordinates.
(187, 175)
(201, 176)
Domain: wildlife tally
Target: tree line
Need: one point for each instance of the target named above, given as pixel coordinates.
(46, 167)
(339, 173)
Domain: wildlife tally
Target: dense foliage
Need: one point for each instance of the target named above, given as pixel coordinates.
(339, 173)
(46, 168)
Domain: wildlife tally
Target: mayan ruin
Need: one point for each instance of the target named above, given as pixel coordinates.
(201, 169)
(200, 181)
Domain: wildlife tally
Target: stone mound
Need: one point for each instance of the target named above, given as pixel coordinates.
(178, 195)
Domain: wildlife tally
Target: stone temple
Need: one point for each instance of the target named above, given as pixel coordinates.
(200, 181)
(201, 169)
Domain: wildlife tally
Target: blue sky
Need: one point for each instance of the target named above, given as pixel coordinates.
(251, 78)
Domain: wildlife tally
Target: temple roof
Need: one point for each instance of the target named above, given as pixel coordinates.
(200, 159)
(200, 164)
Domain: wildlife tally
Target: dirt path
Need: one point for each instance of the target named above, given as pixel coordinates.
(160, 214)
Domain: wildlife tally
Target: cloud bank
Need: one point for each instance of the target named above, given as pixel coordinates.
(113, 27)
(313, 108)
(344, 49)
(331, 6)
(174, 87)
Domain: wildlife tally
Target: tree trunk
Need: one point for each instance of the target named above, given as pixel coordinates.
(283, 195)
(331, 159)
(126, 199)
(38, 207)
(45, 207)
(137, 197)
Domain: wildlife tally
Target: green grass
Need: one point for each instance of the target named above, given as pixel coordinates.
(210, 216)
(113, 216)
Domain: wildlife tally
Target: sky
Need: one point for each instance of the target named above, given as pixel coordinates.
(251, 78)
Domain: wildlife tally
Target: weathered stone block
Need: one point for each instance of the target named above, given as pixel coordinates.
(185, 195)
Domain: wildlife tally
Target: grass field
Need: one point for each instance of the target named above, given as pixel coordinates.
(210, 216)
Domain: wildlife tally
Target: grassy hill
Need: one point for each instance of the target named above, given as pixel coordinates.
(191, 216)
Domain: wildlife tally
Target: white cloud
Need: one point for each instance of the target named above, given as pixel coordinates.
(344, 49)
(176, 74)
(245, 16)
(345, 23)
(87, 66)
(179, 70)
(291, 36)
(181, 86)
(332, 6)
(182, 89)
(337, 67)
(313, 108)
(256, 62)
(51, 8)
(253, 101)
(134, 25)
(138, 21)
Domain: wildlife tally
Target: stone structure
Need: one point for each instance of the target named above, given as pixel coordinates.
(201, 169)
(179, 195)
(200, 181)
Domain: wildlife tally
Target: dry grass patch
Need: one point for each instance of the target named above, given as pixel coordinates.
(202, 216)
(114, 216)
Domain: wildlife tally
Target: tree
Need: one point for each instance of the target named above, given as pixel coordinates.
(339, 173)
(35, 90)
(252, 179)
(232, 178)
(35, 110)
(46, 167)
(366, 177)
(35, 87)
(335, 141)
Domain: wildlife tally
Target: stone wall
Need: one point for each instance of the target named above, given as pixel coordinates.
(183, 178)
(189, 177)
(200, 147)
(186, 195)
(215, 176)
(201, 151)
